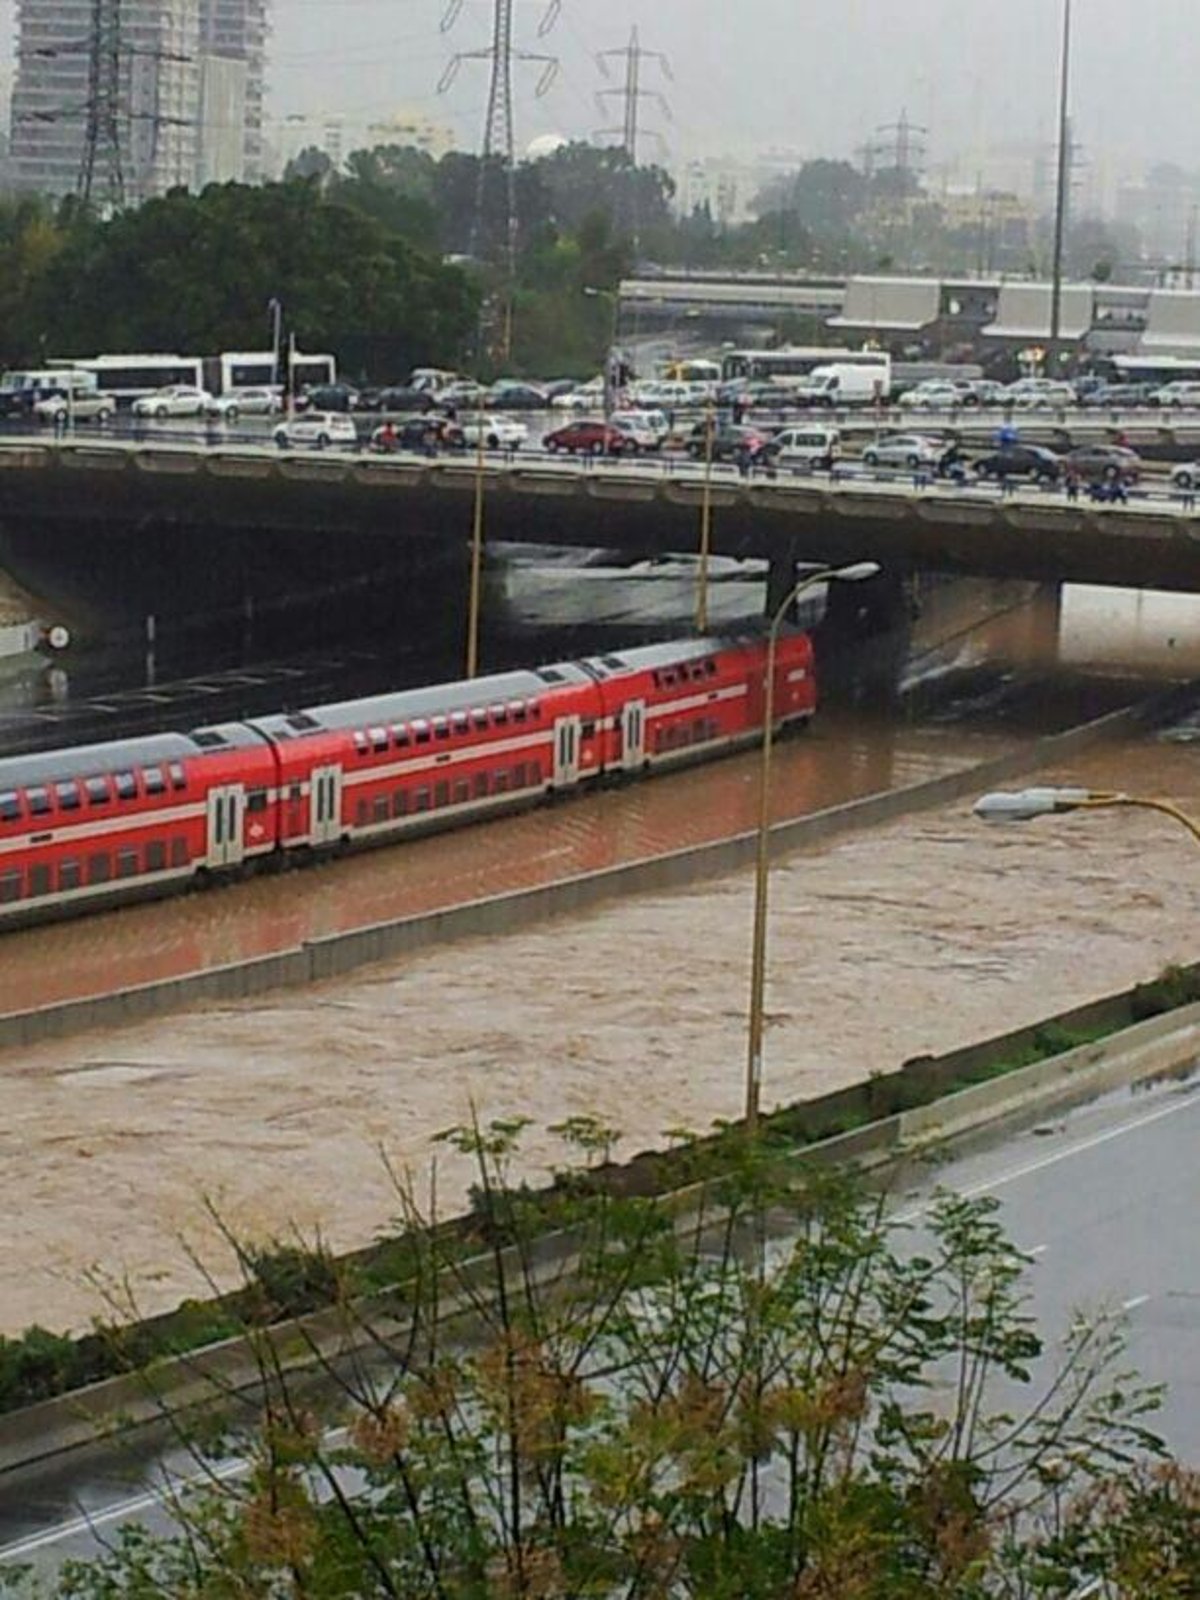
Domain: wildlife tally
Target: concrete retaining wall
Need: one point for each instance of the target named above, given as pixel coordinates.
(343, 953)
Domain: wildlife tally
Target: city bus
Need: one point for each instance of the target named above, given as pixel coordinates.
(128, 378)
(256, 369)
(796, 361)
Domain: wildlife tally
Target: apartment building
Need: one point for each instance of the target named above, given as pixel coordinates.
(189, 93)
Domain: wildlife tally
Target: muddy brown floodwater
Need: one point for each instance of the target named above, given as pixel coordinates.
(922, 936)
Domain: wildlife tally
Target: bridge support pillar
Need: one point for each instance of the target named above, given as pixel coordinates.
(863, 638)
(781, 578)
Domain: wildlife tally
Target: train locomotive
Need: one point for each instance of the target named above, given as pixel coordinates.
(86, 827)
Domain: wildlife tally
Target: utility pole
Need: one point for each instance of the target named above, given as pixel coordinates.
(1060, 194)
(631, 96)
(499, 138)
(102, 132)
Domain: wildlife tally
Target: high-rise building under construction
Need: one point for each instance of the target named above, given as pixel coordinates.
(188, 91)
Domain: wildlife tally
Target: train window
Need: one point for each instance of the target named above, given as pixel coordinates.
(10, 886)
(10, 806)
(535, 709)
(462, 792)
(156, 855)
(421, 800)
(400, 736)
(517, 707)
(209, 739)
(480, 718)
(98, 792)
(421, 732)
(363, 813)
(535, 773)
(256, 800)
(126, 785)
(481, 785)
(549, 675)
(518, 775)
(710, 668)
(361, 743)
(302, 722)
(441, 794)
(179, 851)
(38, 801)
(588, 730)
(460, 722)
(99, 868)
(295, 793)
(69, 875)
(67, 796)
(39, 880)
(500, 785)
(127, 863)
(381, 809)
(498, 714)
(400, 803)
(177, 775)
(152, 778)
(441, 728)
(379, 739)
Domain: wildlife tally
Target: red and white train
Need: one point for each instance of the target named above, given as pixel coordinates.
(84, 827)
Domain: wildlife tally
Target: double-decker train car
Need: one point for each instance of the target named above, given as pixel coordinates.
(82, 827)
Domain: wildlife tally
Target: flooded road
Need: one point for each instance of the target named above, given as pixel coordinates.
(923, 936)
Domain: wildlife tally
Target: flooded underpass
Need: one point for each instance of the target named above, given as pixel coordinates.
(923, 935)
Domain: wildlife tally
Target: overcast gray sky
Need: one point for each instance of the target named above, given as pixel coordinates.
(809, 75)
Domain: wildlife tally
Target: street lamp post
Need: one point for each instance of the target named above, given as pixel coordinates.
(705, 525)
(275, 307)
(611, 356)
(855, 573)
(1022, 805)
(1062, 187)
(476, 581)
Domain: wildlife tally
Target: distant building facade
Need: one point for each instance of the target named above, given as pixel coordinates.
(190, 93)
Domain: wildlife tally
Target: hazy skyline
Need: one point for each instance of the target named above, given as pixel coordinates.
(812, 77)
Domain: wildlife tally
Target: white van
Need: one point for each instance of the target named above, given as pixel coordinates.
(806, 445)
(844, 383)
(21, 390)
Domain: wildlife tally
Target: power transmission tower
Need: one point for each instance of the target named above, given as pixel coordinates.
(499, 135)
(897, 147)
(632, 94)
(102, 131)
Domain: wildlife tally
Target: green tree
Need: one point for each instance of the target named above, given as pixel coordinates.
(786, 1394)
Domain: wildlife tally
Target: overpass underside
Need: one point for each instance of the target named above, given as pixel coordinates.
(122, 532)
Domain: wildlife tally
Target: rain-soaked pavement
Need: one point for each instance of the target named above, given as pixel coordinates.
(921, 936)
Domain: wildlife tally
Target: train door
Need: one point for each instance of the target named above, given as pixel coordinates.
(326, 805)
(633, 735)
(226, 809)
(566, 751)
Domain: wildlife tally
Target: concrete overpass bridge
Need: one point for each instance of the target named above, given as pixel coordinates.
(111, 532)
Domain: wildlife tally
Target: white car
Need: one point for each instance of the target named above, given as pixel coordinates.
(588, 397)
(1186, 476)
(176, 400)
(932, 397)
(911, 450)
(1040, 394)
(646, 429)
(1180, 393)
(264, 402)
(499, 433)
(86, 407)
(320, 430)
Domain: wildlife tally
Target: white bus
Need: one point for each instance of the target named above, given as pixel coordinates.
(797, 361)
(255, 369)
(128, 378)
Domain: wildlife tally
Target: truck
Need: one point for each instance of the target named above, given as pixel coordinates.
(843, 383)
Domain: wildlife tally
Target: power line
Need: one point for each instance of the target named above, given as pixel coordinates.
(632, 94)
(102, 133)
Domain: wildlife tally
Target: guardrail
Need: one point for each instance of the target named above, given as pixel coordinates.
(851, 474)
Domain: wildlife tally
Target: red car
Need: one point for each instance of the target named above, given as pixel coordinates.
(592, 438)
